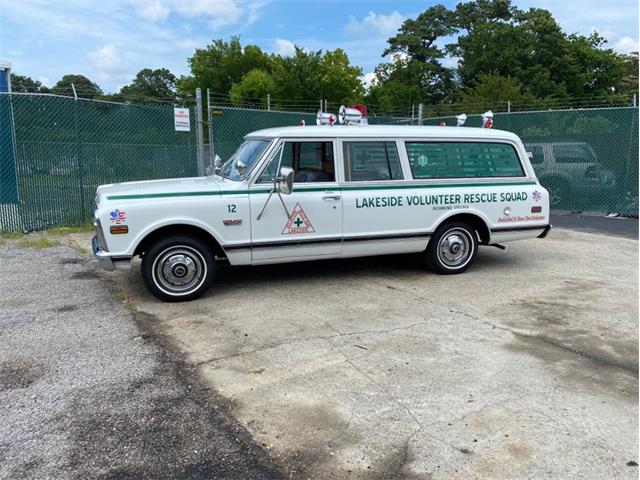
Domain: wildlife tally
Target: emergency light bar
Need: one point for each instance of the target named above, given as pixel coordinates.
(353, 115)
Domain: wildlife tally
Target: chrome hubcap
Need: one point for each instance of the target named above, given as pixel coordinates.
(455, 248)
(179, 269)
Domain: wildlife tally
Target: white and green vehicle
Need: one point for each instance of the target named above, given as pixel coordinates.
(319, 192)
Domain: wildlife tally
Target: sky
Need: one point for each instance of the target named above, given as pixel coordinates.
(111, 40)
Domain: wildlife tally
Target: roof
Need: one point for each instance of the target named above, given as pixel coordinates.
(374, 131)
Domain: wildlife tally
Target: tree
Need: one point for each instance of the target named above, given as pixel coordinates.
(84, 87)
(416, 73)
(629, 83)
(24, 84)
(530, 46)
(221, 64)
(310, 76)
(252, 89)
(490, 91)
(495, 40)
(151, 84)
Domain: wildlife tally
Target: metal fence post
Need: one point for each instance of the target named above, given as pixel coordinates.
(268, 102)
(199, 133)
(210, 128)
(420, 113)
(78, 153)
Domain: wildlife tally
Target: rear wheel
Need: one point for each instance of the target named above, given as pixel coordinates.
(178, 268)
(452, 248)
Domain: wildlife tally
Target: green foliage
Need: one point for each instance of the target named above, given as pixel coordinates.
(220, 65)
(151, 84)
(629, 83)
(493, 90)
(496, 41)
(253, 88)
(24, 84)
(248, 74)
(85, 88)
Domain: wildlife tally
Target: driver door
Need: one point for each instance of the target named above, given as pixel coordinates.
(311, 224)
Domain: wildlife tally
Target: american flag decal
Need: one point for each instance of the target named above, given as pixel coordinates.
(118, 216)
(537, 196)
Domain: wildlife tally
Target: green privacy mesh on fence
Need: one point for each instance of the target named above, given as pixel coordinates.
(60, 150)
(55, 151)
(230, 124)
(586, 158)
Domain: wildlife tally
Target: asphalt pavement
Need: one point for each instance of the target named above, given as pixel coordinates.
(88, 389)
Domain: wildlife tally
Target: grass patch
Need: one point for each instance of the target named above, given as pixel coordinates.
(126, 300)
(57, 231)
(39, 242)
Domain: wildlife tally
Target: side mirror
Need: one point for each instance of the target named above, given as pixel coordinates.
(284, 183)
(217, 163)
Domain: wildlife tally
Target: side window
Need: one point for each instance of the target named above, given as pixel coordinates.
(311, 161)
(463, 160)
(365, 161)
(572, 154)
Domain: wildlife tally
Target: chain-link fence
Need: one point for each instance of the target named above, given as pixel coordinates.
(586, 158)
(55, 151)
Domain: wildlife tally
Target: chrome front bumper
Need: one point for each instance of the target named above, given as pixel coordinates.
(106, 261)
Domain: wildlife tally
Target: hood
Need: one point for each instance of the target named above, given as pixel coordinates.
(155, 187)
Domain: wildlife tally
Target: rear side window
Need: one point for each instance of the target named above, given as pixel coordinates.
(367, 161)
(463, 160)
(573, 154)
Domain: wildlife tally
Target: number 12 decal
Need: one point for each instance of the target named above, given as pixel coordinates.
(231, 208)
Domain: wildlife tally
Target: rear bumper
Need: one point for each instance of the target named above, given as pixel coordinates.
(106, 261)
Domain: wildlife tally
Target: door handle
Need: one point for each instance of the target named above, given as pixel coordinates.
(331, 196)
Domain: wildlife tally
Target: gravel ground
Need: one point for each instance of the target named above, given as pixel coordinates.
(87, 390)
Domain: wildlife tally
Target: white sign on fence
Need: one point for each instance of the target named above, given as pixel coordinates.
(181, 119)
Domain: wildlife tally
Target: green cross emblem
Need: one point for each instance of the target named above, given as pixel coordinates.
(298, 222)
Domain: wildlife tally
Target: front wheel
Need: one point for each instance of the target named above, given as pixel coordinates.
(452, 248)
(178, 268)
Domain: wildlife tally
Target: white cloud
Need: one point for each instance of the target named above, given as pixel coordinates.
(151, 10)
(368, 80)
(219, 12)
(286, 48)
(627, 44)
(375, 23)
(106, 58)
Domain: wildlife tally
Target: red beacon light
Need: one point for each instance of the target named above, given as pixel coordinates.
(487, 119)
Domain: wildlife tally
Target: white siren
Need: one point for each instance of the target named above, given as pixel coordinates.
(349, 116)
(461, 119)
(324, 118)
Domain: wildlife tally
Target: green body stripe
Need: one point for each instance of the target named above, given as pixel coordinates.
(339, 188)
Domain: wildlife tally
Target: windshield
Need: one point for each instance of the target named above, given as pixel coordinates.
(249, 153)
